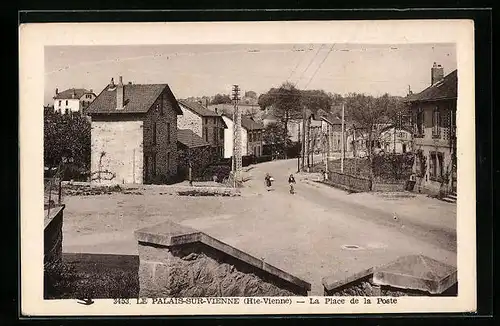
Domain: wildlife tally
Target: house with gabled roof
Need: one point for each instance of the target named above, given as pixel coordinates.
(134, 134)
(73, 100)
(251, 136)
(193, 151)
(205, 123)
(434, 139)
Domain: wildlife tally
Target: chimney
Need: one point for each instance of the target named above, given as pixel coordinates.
(437, 73)
(91, 90)
(217, 111)
(119, 94)
(74, 94)
(112, 83)
(57, 91)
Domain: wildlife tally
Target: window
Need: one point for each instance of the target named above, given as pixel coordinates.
(221, 133)
(154, 133)
(215, 135)
(168, 133)
(66, 111)
(168, 162)
(436, 166)
(66, 102)
(206, 134)
(404, 148)
(436, 122)
(59, 102)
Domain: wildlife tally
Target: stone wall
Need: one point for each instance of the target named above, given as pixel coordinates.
(52, 248)
(52, 237)
(190, 120)
(414, 275)
(196, 270)
(164, 149)
(365, 287)
(177, 261)
(116, 151)
(388, 187)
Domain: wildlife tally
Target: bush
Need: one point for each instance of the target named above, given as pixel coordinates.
(263, 158)
(392, 167)
(75, 173)
(221, 171)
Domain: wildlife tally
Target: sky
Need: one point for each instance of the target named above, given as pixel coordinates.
(198, 70)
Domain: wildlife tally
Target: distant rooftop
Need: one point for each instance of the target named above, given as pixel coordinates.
(72, 93)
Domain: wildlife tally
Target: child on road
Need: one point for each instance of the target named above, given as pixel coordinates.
(291, 181)
(268, 179)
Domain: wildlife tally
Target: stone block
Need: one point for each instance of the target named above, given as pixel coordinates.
(179, 261)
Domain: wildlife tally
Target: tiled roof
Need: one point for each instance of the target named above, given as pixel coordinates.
(332, 119)
(198, 108)
(189, 139)
(68, 94)
(138, 99)
(250, 124)
(247, 123)
(442, 90)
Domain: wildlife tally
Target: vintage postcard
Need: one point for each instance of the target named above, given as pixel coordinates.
(247, 168)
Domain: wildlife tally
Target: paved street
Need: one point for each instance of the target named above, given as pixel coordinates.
(303, 234)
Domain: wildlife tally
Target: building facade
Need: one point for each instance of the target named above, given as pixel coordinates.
(251, 137)
(205, 123)
(73, 100)
(134, 134)
(434, 120)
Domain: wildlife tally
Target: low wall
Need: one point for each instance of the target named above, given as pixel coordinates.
(389, 187)
(348, 182)
(53, 236)
(177, 261)
(52, 246)
(407, 276)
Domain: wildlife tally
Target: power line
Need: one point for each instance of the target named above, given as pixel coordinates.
(317, 69)
(298, 63)
(310, 62)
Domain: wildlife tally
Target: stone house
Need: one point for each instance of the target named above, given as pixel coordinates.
(205, 123)
(251, 136)
(192, 150)
(434, 122)
(134, 134)
(73, 100)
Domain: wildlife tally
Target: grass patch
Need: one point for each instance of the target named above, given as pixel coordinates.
(92, 276)
(203, 193)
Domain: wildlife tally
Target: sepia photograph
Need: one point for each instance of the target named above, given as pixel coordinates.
(252, 173)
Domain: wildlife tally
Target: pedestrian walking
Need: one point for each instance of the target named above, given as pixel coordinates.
(291, 182)
(268, 180)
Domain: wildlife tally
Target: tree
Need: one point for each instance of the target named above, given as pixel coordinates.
(316, 100)
(221, 99)
(251, 94)
(273, 137)
(286, 101)
(66, 137)
(368, 112)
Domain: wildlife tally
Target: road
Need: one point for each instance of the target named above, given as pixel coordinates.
(304, 234)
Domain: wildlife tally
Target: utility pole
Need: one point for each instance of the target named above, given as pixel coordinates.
(300, 153)
(237, 137)
(303, 137)
(342, 143)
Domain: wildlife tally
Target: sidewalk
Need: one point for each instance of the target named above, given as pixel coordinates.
(417, 208)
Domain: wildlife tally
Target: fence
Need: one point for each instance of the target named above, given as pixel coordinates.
(52, 193)
(349, 182)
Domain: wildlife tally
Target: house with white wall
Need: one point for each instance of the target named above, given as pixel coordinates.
(251, 136)
(73, 100)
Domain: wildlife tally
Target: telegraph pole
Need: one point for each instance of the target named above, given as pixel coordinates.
(342, 143)
(303, 137)
(237, 137)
